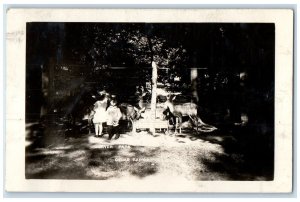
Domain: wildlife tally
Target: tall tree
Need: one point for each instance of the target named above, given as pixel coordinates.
(136, 45)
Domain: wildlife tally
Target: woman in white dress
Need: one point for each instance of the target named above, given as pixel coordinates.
(100, 113)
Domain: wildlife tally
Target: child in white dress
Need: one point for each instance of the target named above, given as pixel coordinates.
(100, 114)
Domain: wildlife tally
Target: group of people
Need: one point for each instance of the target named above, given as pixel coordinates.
(106, 110)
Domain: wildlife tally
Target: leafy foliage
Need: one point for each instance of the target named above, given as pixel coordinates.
(105, 45)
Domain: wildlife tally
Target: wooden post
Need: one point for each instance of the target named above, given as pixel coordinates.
(153, 97)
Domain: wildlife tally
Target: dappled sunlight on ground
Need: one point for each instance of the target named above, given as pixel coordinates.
(136, 155)
(188, 156)
(157, 140)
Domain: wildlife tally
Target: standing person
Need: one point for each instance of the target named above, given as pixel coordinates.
(113, 116)
(100, 113)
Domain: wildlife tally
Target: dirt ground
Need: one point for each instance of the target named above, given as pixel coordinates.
(142, 155)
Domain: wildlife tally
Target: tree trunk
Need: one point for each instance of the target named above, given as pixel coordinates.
(153, 96)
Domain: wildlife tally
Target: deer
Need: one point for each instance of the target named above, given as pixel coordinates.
(175, 113)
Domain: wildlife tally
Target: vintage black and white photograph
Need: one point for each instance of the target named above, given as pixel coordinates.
(146, 100)
(151, 101)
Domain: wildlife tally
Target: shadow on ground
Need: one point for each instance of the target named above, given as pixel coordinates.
(227, 154)
(74, 157)
(100, 164)
(248, 155)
